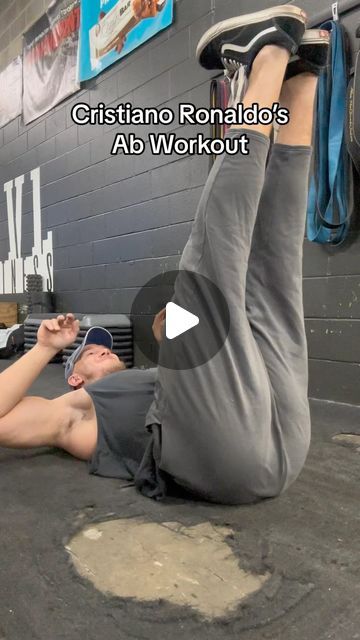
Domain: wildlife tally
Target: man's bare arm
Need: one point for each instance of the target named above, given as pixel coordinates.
(36, 422)
(53, 335)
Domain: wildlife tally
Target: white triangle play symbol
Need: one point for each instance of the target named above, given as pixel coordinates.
(178, 320)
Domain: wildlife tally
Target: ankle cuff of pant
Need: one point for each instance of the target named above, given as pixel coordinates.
(249, 133)
(293, 148)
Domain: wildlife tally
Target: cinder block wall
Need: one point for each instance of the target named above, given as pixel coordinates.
(15, 17)
(118, 221)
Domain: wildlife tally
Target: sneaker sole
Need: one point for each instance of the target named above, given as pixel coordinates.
(310, 38)
(218, 29)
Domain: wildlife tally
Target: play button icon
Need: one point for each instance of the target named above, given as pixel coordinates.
(197, 320)
(178, 321)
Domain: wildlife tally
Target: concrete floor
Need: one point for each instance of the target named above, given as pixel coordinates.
(299, 555)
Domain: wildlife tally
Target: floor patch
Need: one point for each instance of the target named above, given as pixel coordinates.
(192, 566)
(348, 439)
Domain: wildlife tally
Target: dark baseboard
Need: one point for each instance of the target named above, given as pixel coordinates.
(335, 417)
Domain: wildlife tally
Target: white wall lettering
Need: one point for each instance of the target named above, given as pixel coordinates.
(14, 270)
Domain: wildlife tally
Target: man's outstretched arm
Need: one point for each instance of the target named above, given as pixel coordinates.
(53, 335)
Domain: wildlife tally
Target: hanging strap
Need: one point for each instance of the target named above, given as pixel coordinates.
(219, 98)
(328, 217)
(352, 128)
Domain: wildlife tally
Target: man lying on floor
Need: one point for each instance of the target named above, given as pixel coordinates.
(237, 428)
(101, 423)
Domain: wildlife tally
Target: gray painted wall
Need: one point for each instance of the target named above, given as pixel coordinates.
(118, 221)
(15, 17)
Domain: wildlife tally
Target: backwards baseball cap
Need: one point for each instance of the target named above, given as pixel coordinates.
(95, 335)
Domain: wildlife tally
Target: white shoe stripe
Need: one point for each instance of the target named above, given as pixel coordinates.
(235, 47)
(221, 28)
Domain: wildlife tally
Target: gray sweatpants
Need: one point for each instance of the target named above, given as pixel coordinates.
(238, 427)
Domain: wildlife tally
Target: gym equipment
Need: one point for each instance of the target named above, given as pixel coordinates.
(352, 128)
(11, 340)
(328, 215)
(220, 89)
(37, 300)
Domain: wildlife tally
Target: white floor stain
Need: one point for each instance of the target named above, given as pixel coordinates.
(192, 566)
(351, 439)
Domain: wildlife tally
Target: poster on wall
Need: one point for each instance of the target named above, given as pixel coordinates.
(111, 29)
(10, 97)
(50, 55)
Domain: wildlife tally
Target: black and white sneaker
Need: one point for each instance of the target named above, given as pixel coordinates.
(312, 55)
(237, 41)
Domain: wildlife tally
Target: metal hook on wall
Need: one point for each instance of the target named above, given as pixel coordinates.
(335, 11)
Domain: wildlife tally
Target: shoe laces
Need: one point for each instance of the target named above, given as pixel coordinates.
(238, 85)
(231, 65)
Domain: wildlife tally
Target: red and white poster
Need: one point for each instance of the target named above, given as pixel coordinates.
(11, 94)
(50, 54)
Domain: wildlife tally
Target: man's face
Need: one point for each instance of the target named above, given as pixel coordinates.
(94, 363)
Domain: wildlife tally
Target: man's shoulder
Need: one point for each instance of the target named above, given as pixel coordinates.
(123, 380)
(73, 400)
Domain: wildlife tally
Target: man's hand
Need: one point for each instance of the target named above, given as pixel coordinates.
(144, 8)
(58, 333)
(158, 325)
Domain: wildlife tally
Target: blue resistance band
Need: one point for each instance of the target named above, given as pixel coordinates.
(328, 218)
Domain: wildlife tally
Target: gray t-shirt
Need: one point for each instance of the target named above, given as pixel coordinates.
(121, 402)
